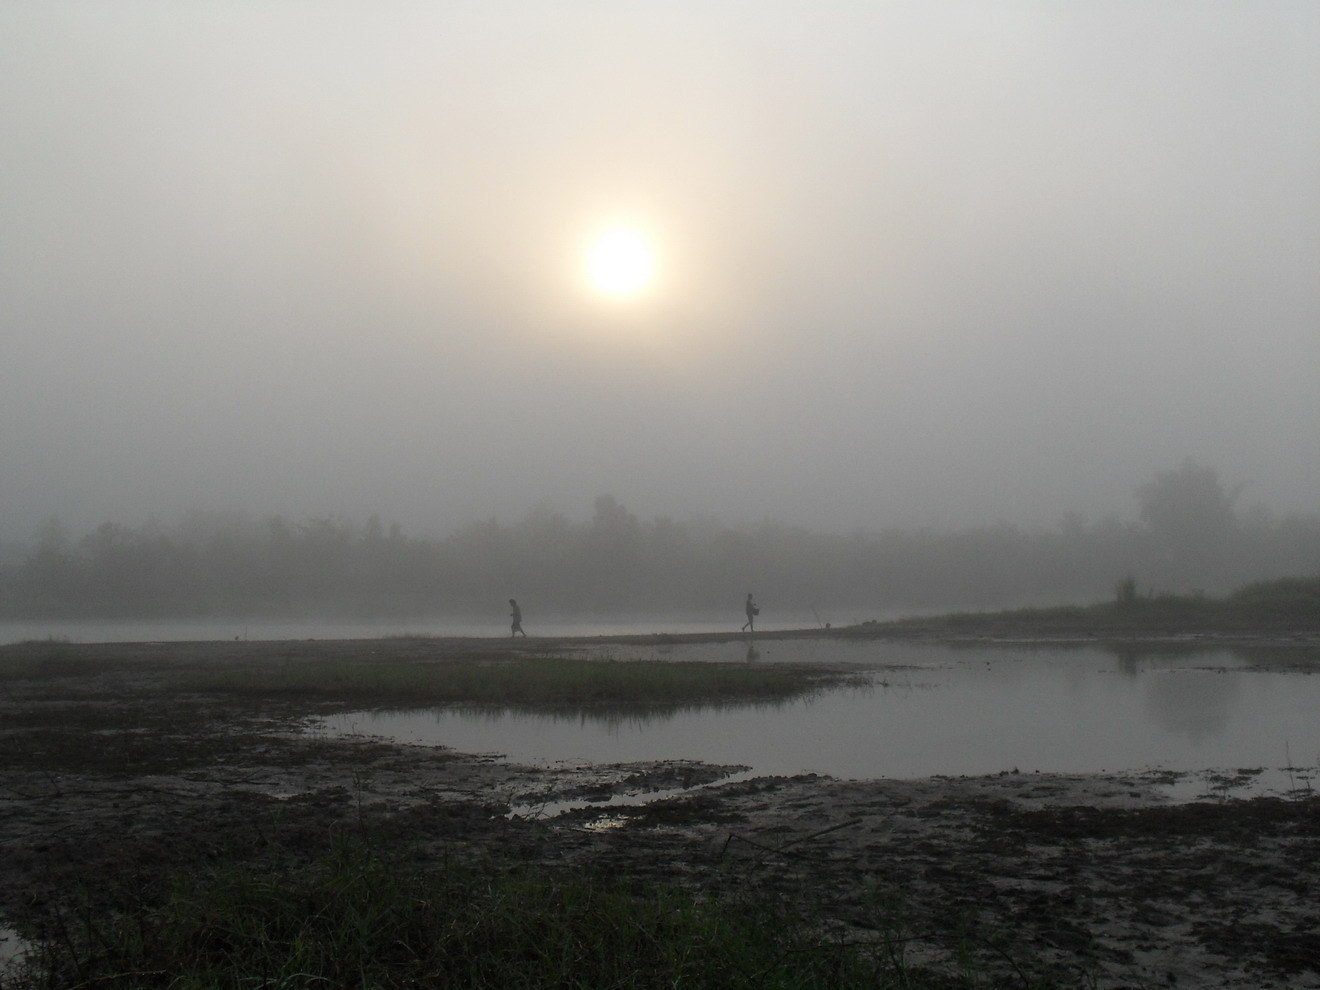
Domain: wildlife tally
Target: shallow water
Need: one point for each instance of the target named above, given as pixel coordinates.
(932, 710)
(495, 624)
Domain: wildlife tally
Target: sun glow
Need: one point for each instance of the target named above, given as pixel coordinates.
(620, 263)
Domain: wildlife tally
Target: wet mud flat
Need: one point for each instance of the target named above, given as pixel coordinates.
(1092, 880)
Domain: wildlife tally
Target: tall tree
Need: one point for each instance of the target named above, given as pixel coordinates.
(1191, 518)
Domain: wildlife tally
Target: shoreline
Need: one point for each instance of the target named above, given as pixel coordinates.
(1261, 635)
(1100, 879)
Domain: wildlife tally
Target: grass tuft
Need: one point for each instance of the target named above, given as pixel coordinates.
(358, 917)
(549, 683)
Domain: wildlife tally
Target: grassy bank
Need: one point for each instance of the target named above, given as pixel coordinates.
(360, 916)
(1288, 607)
(536, 683)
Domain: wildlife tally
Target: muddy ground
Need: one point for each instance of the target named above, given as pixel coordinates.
(1098, 880)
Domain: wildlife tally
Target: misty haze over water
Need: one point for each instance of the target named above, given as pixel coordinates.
(933, 710)
(660, 574)
(960, 277)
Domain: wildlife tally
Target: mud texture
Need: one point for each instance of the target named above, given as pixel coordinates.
(1094, 880)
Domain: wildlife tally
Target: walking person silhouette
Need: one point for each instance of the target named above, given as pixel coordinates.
(752, 610)
(515, 613)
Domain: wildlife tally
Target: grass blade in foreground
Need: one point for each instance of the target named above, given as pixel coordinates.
(356, 918)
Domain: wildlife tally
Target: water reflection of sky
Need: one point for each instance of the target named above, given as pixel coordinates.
(494, 624)
(936, 710)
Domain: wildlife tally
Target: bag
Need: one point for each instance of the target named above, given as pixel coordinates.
(756, 610)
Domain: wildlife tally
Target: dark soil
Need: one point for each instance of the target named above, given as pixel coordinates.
(108, 784)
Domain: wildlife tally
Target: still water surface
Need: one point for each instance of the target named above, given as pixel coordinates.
(265, 629)
(937, 710)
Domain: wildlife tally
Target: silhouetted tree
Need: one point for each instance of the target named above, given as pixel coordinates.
(612, 555)
(1190, 516)
(1188, 507)
(1189, 537)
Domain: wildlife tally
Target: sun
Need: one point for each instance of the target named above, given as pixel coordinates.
(620, 263)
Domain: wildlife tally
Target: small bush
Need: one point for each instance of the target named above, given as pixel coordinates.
(1289, 594)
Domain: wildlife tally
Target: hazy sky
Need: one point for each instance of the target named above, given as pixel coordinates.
(914, 263)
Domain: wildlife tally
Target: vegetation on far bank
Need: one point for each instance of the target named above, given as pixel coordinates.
(1190, 535)
(1285, 606)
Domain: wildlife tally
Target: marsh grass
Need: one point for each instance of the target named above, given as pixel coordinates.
(361, 917)
(554, 683)
(1290, 605)
(46, 661)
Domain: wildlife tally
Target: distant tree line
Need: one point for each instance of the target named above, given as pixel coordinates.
(1189, 538)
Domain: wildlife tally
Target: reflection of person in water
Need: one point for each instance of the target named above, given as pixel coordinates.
(752, 612)
(515, 613)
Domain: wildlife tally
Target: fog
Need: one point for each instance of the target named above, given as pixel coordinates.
(915, 265)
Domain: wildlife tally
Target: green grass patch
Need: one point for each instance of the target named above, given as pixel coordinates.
(358, 917)
(536, 683)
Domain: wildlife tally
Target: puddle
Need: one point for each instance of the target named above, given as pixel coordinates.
(627, 799)
(1224, 785)
(944, 711)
